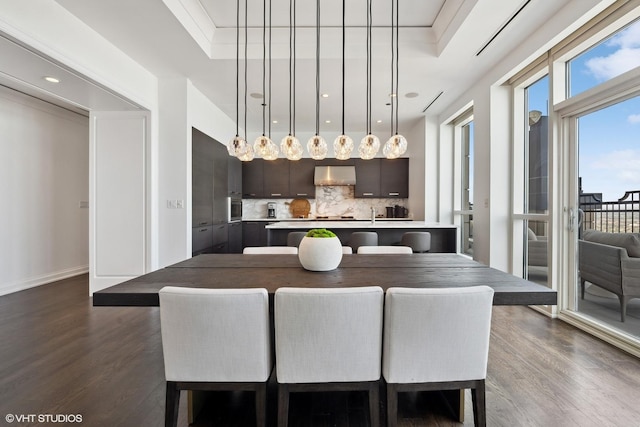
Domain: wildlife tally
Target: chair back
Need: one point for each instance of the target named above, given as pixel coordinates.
(328, 334)
(270, 250)
(384, 250)
(346, 250)
(451, 342)
(215, 335)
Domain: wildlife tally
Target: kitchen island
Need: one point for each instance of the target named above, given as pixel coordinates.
(443, 236)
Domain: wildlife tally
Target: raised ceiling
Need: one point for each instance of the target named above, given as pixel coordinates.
(439, 42)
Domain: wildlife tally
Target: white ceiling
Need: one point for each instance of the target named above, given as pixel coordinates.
(439, 40)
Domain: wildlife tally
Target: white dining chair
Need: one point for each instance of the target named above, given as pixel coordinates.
(215, 339)
(328, 339)
(449, 350)
(270, 250)
(384, 250)
(346, 250)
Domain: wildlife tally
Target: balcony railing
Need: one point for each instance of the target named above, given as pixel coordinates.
(621, 216)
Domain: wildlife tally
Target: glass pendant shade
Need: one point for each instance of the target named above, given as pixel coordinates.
(369, 146)
(248, 155)
(265, 148)
(342, 147)
(237, 146)
(395, 147)
(317, 147)
(291, 147)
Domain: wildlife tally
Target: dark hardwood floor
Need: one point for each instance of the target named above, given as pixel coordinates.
(60, 355)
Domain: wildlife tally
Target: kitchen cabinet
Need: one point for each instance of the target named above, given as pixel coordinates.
(367, 178)
(276, 178)
(254, 233)
(201, 240)
(234, 241)
(234, 167)
(252, 179)
(220, 183)
(202, 179)
(394, 178)
(220, 238)
(301, 174)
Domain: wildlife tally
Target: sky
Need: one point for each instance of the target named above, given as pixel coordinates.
(609, 139)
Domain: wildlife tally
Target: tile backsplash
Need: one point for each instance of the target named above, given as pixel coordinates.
(329, 201)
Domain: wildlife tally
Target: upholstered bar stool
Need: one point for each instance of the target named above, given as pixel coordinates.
(363, 238)
(419, 241)
(295, 237)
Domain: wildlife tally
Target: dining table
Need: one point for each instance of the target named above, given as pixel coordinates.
(426, 270)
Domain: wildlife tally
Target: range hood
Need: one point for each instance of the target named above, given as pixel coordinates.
(335, 175)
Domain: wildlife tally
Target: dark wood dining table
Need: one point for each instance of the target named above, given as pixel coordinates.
(435, 270)
(430, 270)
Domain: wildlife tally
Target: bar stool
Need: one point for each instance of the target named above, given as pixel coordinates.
(363, 238)
(419, 241)
(295, 237)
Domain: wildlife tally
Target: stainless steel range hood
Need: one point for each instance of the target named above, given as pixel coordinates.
(335, 175)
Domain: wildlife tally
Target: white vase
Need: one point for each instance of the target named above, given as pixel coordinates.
(320, 253)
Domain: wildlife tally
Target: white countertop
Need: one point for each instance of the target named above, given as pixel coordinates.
(315, 220)
(357, 224)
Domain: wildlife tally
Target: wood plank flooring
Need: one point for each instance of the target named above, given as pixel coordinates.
(61, 355)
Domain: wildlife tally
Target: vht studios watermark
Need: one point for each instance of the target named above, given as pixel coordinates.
(43, 418)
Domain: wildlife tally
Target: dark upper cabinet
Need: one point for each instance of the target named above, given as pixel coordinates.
(220, 183)
(234, 166)
(276, 178)
(367, 178)
(394, 178)
(301, 178)
(252, 179)
(202, 179)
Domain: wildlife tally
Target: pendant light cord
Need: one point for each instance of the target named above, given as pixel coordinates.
(264, 64)
(290, 61)
(369, 82)
(245, 69)
(391, 94)
(343, 68)
(294, 67)
(397, 60)
(317, 67)
(269, 101)
(237, 68)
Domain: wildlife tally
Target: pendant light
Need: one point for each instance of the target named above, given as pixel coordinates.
(238, 145)
(397, 144)
(290, 145)
(248, 154)
(370, 144)
(343, 144)
(264, 146)
(317, 146)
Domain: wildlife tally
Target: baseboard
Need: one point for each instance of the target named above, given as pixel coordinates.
(42, 280)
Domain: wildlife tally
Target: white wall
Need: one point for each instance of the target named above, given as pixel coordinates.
(44, 175)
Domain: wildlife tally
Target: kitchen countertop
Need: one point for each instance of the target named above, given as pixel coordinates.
(323, 219)
(378, 224)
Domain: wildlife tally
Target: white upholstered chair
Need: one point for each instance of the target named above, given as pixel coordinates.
(215, 339)
(449, 350)
(346, 250)
(273, 250)
(328, 339)
(384, 250)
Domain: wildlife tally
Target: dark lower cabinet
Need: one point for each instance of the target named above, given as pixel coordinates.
(254, 233)
(201, 239)
(234, 243)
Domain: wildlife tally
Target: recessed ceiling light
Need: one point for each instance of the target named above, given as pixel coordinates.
(327, 121)
(275, 122)
(411, 95)
(325, 95)
(51, 79)
(256, 95)
(378, 121)
(392, 95)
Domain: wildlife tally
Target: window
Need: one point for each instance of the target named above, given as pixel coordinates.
(611, 57)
